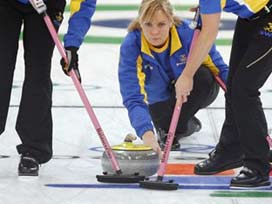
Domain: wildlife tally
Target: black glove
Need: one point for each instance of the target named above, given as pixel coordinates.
(72, 56)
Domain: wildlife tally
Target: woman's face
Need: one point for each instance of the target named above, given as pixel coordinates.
(156, 30)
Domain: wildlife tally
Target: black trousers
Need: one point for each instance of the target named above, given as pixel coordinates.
(245, 129)
(204, 92)
(34, 120)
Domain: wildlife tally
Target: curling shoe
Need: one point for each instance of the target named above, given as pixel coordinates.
(162, 135)
(250, 179)
(175, 146)
(216, 163)
(194, 125)
(28, 166)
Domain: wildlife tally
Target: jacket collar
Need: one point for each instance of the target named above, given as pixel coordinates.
(175, 43)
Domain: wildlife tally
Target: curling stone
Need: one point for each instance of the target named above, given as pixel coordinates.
(132, 158)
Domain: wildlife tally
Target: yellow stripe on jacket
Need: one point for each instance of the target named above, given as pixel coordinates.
(256, 5)
(252, 5)
(141, 77)
(209, 63)
(75, 6)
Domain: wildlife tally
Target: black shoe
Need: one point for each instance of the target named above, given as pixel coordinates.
(175, 146)
(250, 179)
(28, 166)
(194, 125)
(162, 136)
(217, 163)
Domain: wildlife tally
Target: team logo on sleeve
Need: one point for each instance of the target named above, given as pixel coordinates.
(267, 30)
(182, 60)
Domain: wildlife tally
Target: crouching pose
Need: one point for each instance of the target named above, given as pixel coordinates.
(152, 57)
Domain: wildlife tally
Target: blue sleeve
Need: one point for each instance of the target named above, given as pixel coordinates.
(210, 6)
(224, 75)
(130, 89)
(79, 24)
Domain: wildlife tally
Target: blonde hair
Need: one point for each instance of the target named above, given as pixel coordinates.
(147, 10)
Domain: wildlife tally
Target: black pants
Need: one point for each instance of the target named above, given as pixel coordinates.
(245, 129)
(204, 92)
(34, 121)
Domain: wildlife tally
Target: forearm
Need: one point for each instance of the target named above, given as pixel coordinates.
(202, 44)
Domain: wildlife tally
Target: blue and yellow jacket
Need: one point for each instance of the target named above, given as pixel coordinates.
(79, 22)
(242, 8)
(143, 80)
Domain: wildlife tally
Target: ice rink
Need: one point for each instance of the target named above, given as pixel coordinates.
(69, 178)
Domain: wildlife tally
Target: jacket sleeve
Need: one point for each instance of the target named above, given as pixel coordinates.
(216, 64)
(131, 90)
(79, 22)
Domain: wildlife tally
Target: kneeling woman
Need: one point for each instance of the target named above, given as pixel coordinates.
(152, 56)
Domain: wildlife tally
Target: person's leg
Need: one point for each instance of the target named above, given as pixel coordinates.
(228, 152)
(253, 71)
(204, 92)
(229, 141)
(10, 21)
(244, 129)
(34, 122)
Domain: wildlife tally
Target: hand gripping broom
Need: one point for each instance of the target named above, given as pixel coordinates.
(196, 25)
(158, 184)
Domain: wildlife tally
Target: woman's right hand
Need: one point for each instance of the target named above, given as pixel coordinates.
(183, 86)
(150, 140)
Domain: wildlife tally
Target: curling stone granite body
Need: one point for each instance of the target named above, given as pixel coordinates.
(133, 159)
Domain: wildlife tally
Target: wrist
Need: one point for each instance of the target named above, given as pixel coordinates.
(187, 72)
(148, 135)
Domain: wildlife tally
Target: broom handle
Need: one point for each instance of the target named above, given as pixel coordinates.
(169, 140)
(100, 132)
